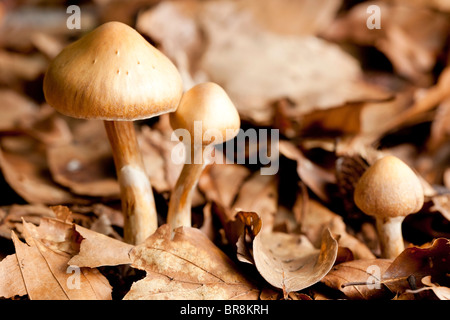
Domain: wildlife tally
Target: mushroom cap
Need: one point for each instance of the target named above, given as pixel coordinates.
(112, 73)
(209, 105)
(389, 188)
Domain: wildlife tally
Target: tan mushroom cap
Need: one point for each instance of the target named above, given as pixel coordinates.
(112, 73)
(389, 188)
(208, 104)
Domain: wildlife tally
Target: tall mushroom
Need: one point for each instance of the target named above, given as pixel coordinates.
(205, 117)
(389, 190)
(113, 74)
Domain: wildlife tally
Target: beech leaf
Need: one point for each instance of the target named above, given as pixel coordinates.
(290, 262)
(189, 266)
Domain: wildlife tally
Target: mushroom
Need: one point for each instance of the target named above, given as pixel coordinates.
(205, 117)
(389, 191)
(113, 74)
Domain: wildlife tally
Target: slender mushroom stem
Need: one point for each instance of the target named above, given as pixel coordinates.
(390, 234)
(179, 213)
(138, 204)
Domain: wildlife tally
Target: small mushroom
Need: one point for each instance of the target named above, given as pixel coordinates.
(113, 74)
(205, 117)
(389, 191)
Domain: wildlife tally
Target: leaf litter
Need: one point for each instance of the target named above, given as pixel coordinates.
(341, 95)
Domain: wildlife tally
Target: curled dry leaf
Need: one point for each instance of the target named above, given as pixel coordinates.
(414, 263)
(187, 266)
(259, 194)
(251, 224)
(359, 279)
(290, 262)
(443, 293)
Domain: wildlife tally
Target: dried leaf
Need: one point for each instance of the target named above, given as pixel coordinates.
(415, 263)
(10, 278)
(16, 67)
(157, 147)
(97, 250)
(221, 183)
(13, 108)
(47, 126)
(299, 17)
(410, 36)
(318, 179)
(47, 276)
(359, 279)
(290, 262)
(189, 266)
(15, 214)
(318, 218)
(259, 194)
(27, 173)
(443, 293)
(85, 167)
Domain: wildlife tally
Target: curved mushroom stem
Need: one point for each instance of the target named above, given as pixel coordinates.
(390, 236)
(138, 204)
(179, 213)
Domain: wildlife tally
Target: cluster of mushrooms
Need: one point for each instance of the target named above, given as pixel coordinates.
(113, 74)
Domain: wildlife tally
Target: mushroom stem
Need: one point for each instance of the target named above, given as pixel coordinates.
(390, 236)
(138, 204)
(179, 213)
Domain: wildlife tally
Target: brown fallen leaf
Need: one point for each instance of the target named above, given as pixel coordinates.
(46, 274)
(23, 21)
(410, 36)
(156, 147)
(15, 214)
(47, 126)
(221, 183)
(299, 17)
(440, 131)
(24, 167)
(443, 293)
(85, 167)
(227, 42)
(13, 108)
(249, 224)
(10, 275)
(97, 250)
(414, 263)
(318, 218)
(359, 279)
(290, 262)
(17, 67)
(259, 194)
(187, 266)
(318, 179)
